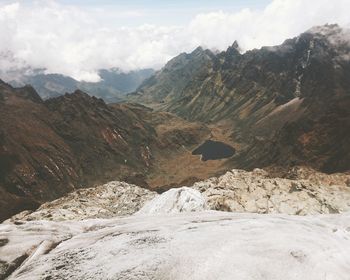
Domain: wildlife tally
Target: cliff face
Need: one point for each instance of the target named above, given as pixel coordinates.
(286, 104)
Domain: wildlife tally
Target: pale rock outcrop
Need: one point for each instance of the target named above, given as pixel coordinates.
(173, 237)
(318, 178)
(192, 245)
(175, 201)
(306, 192)
(302, 191)
(106, 201)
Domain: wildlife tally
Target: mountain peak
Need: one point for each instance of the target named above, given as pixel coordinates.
(326, 30)
(198, 50)
(4, 84)
(332, 33)
(79, 97)
(79, 92)
(234, 48)
(235, 45)
(28, 92)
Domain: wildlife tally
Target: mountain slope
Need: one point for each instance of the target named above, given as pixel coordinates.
(294, 96)
(50, 148)
(234, 85)
(167, 84)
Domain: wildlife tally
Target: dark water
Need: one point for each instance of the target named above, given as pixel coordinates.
(211, 150)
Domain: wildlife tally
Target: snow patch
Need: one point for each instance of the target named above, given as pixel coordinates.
(304, 64)
(204, 245)
(175, 201)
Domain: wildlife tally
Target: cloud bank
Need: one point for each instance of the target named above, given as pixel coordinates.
(73, 41)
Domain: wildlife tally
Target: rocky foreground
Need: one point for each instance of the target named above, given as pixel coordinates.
(301, 191)
(121, 231)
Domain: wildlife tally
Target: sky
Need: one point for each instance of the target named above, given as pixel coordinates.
(79, 37)
(163, 12)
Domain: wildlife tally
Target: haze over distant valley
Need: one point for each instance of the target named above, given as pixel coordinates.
(79, 38)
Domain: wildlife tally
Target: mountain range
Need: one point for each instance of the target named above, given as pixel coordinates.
(277, 107)
(49, 148)
(283, 105)
(112, 87)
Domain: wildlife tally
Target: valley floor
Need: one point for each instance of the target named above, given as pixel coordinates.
(182, 168)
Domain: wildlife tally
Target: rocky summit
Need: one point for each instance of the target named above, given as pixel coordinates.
(172, 235)
(106, 201)
(259, 192)
(301, 191)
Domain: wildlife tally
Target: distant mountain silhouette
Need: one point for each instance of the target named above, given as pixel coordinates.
(113, 86)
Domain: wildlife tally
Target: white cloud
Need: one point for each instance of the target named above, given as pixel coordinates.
(72, 41)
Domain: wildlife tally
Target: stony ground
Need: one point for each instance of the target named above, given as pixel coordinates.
(106, 201)
(302, 192)
(121, 231)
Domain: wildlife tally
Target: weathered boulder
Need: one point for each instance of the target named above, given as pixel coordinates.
(106, 201)
(306, 192)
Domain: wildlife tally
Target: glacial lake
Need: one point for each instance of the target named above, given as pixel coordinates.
(212, 150)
